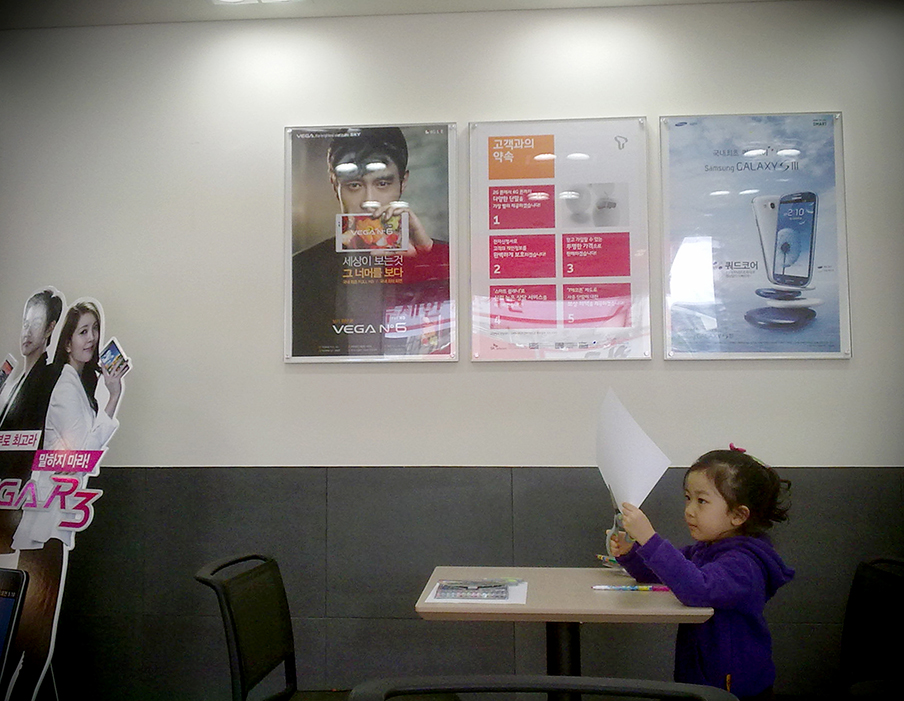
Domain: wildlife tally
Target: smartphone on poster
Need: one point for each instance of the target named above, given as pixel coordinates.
(795, 240)
(112, 357)
(765, 212)
(13, 585)
(363, 233)
(6, 369)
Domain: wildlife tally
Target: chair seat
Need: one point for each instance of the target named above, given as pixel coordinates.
(405, 688)
(317, 695)
(343, 695)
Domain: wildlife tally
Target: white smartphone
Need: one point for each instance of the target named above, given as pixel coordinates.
(765, 211)
(361, 233)
(112, 357)
(6, 369)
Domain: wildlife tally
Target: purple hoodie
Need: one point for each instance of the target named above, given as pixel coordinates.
(735, 576)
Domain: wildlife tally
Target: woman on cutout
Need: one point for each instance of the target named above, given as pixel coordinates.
(74, 421)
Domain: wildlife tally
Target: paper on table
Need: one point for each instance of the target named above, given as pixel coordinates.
(517, 595)
(630, 462)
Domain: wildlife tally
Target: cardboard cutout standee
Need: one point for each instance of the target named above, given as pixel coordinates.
(57, 414)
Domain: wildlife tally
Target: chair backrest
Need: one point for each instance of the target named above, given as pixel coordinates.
(256, 616)
(870, 648)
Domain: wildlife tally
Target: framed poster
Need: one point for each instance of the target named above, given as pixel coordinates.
(754, 226)
(369, 249)
(559, 266)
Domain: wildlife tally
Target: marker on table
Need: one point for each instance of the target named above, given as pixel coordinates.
(631, 587)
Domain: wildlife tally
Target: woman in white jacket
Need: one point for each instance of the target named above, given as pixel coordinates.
(73, 419)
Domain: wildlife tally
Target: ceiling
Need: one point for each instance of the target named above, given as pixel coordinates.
(35, 14)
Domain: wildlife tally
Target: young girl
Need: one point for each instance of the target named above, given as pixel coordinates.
(731, 500)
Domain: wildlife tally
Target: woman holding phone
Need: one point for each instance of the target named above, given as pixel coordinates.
(75, 421)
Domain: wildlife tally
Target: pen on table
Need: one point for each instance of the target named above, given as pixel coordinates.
(630, 587)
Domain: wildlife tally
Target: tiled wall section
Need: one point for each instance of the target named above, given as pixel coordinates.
(357, 544)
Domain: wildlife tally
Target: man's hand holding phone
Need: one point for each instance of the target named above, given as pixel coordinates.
(418, 240)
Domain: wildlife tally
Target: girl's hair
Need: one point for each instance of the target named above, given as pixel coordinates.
(91, 370)
(742, 480)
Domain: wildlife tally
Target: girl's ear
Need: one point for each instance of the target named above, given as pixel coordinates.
(739, 516)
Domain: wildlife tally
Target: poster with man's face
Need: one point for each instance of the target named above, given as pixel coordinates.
(369, 255)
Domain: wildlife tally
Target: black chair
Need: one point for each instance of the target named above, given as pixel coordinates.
(258, 625)
(871, 645)
(555, 687)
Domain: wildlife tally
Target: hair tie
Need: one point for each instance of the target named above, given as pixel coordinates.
(732, 446)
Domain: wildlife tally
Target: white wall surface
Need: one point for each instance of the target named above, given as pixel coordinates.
(143, 165)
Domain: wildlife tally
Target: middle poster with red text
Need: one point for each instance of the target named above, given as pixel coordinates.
(559, 255)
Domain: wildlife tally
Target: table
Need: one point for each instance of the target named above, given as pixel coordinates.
(562, 598)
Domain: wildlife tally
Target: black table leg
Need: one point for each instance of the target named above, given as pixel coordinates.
(563, 654)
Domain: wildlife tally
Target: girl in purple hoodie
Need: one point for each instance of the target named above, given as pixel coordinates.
(731, 500)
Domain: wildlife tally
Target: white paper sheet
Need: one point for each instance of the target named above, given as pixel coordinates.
(517, 595)
(630, 462)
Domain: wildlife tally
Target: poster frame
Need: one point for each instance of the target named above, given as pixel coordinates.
(448, 325)
(622, 340)
(833, 266)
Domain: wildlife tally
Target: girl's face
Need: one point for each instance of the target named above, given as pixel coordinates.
(706, 511)
(84, 340)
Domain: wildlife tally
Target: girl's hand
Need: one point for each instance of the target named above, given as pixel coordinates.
(619, 545)
(636, 523)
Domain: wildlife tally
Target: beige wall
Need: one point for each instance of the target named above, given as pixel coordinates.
(144, 165)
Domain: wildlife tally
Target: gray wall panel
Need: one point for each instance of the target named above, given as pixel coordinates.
(560, 516)
(363, 648)
(357, 544)
(389, 527)
(197, 515)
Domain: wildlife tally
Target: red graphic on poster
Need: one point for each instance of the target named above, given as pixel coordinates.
(523, 207)
(596, 255)
(522, 306)
(527, 255)
(602, 305)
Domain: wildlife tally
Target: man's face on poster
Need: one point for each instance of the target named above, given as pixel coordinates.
(366, 186)
(34, 331)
